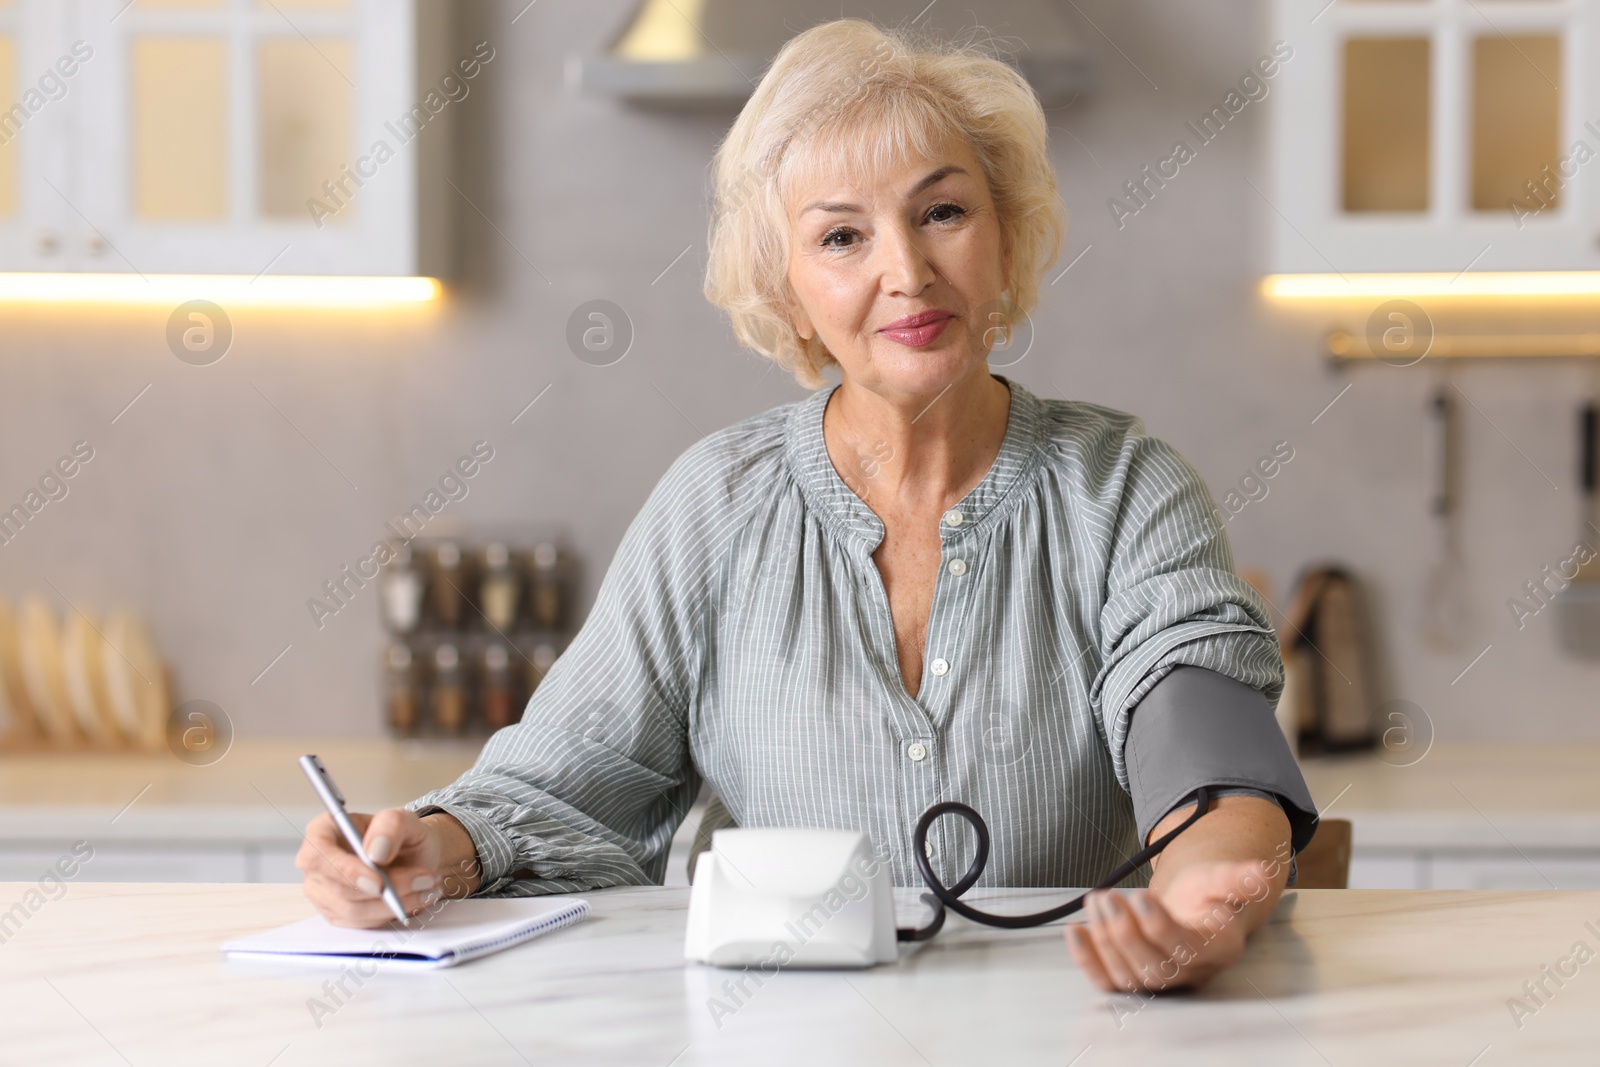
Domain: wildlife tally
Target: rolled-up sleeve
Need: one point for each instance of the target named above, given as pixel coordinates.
(1173, 601)
(587, 789)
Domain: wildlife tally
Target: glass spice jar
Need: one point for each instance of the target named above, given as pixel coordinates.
(499, 688)
(400, 593)
(544, 656)
(400, 689)
(449, 690)
(500, 592)
(549, 599)
(446, 596)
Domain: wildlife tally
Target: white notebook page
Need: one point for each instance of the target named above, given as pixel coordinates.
(458, 931)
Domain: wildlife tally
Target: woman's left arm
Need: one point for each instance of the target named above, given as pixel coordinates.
(1190, 667)
(1209, 889)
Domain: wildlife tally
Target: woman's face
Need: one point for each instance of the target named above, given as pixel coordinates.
(919, 240)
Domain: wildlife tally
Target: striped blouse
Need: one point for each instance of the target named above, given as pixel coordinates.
(742, 638)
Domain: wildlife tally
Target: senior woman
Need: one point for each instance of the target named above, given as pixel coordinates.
(923, 584)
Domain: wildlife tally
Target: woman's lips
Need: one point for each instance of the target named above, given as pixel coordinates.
(917, 336)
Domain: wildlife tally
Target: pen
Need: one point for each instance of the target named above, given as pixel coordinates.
(333, 800)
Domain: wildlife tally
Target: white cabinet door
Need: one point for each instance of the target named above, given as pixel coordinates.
(226, 137)
(36, 222)
(1415, 136)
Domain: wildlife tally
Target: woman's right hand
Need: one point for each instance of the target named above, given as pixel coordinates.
(426, 858)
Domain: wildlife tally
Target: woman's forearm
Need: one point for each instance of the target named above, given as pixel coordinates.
(1236, 828)
(1209, 890)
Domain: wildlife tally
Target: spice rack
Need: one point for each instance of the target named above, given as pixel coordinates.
(474, 623)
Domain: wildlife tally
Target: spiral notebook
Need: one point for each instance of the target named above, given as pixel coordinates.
(461, 930)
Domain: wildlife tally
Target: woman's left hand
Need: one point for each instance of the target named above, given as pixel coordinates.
(1141, 942)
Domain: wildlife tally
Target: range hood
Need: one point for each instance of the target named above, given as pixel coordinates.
(710, 53)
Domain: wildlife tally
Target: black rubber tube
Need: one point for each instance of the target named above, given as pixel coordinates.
(941, 896)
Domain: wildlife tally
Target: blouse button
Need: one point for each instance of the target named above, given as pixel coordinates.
(954, 518)
(939, 667)
(917, 751)
(958, 567)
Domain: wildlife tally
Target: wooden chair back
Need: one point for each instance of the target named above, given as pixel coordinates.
(1325, 862)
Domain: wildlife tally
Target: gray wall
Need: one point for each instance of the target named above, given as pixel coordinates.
(209, 512)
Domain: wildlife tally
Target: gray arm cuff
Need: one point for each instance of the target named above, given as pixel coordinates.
(1198, 727)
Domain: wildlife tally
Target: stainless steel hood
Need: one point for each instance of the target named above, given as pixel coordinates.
(710, 53)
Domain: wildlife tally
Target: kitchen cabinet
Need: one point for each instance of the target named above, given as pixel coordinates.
(154, 863)
(1463, 817)
(12, 48)
(1488, 868)
(1435, 135)
(151, 817)
(1467, 816)
(225, 136)
(1509, 870)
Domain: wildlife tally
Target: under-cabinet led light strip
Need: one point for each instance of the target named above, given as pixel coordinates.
(1466, 283)
(227, 290)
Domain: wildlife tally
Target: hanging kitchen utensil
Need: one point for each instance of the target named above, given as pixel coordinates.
(1446, 611)
(1578, 605)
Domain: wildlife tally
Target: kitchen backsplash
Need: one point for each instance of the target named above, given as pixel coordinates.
(222, 497)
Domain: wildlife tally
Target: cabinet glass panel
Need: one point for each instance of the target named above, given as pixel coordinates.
(1386, 120)
(8, 126)
(1516, 118)
(306, 5)
(181, 5)
(180, 127)
(307, 104)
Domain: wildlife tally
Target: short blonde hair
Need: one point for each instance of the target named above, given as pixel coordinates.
(858, 97)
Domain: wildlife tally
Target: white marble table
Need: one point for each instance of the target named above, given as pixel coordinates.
(124, 973)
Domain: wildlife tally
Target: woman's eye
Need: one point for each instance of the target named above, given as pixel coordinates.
(829, 238)
(949, 212)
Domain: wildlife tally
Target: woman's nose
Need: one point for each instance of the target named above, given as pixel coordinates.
(905, 266)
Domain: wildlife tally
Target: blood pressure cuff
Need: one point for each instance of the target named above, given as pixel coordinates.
(1197, 727)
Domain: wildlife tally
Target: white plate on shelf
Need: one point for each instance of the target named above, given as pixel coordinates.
(16, 717)
(44, 673)
(16, 713)
(83, 654)
(136, 682)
